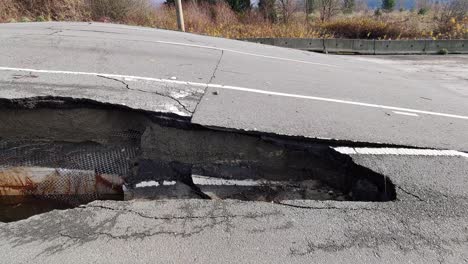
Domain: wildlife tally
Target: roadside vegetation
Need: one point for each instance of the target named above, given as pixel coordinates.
(271, 18)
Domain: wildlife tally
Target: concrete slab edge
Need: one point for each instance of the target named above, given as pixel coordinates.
(400, 151)
(370, 47)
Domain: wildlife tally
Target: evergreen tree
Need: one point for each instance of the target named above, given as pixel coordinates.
(239, 6)
(388, 5)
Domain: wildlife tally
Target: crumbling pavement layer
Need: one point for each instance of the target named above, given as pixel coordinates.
(232, 84)
(206, 81)
(428, 224)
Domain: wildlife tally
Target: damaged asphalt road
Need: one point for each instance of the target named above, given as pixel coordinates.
(248, 95)
(427, 224)
(214, 231)
(236, 85)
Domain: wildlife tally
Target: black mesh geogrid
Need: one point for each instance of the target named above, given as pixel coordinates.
(71, 167)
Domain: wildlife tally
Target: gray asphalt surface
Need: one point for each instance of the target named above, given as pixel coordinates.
(141, 52)
(428, 223)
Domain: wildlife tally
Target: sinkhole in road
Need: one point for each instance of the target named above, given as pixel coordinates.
(58, 153)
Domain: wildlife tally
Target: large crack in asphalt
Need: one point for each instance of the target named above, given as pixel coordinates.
(127, 86)
(409, 193)
(325, 207)
(177, 226)
(157, 217)
(213, 76)
(72, 138)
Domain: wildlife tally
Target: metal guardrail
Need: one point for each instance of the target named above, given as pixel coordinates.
(373, 47)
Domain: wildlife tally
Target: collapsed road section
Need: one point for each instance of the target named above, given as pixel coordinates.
(61, 152)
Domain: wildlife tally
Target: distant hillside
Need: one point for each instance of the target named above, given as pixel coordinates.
(373, 4)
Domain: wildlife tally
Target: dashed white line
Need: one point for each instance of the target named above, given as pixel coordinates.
(237, 88)
(404, 113)
(400, 151)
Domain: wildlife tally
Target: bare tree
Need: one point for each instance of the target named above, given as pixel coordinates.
(309, 6)
(456, 9)
(286, 9)
(328, 8)
(422, 4)
(267, 9)
(451, 14)
(361, 6)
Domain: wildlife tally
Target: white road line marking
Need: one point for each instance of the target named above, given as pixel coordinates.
(144, 184)
(234, 51)
(237, 88)
(404, 113)
(400, 151)
(242, 52)
(205, 180)
(229, 50)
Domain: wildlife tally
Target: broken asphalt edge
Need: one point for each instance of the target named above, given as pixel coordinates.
(180, 121)
(355, 171)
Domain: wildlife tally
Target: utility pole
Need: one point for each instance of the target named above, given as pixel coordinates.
(180, 15)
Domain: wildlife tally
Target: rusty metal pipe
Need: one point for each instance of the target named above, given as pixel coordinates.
(40, 182)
